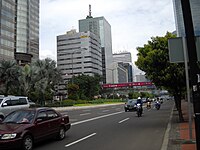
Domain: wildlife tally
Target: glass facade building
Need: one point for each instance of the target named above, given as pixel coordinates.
(101, 28)
(7, 29)
(19, 30)
(195, 7)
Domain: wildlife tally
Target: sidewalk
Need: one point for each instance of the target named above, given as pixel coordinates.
(187, 143)
(179, 134)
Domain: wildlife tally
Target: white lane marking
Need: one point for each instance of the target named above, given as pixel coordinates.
(124, 120)
(72, 119)
(105, 110)
(85, 114)
(80, 140)
(95, 118)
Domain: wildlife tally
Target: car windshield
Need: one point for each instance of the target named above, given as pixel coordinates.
(131, 101)
(21, 116)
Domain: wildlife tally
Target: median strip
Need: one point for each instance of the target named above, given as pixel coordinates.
(80, 140)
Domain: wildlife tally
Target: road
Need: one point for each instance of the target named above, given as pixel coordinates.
(110, 128)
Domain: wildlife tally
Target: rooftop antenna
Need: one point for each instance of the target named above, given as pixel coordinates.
(90, 13)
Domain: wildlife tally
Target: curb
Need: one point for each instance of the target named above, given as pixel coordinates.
(166, 136)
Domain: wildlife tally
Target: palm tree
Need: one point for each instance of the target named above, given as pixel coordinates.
(9, 75)
(47, 77)
(28, 79)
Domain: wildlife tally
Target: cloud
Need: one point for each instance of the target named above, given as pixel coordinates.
(133, 22)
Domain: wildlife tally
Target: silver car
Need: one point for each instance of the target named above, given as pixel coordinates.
(9, 104)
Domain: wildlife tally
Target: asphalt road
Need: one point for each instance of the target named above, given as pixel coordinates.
(110, 128)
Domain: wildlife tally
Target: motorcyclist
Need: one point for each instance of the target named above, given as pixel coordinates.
(157, 103)
(139, 101)
(148, 103)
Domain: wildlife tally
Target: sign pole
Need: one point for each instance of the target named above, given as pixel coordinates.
(193, 67)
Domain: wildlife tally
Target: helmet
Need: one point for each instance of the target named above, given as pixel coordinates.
(139, 97)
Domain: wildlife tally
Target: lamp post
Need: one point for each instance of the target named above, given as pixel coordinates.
(194, 70)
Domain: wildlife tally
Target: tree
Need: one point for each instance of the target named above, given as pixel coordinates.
(46, 79)
(153, 59)
(88, 86)
(27, 79)
(73, 91)
(9, 74)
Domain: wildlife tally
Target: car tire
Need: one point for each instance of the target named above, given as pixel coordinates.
(125, 110)
(61, 133)
(27, 143)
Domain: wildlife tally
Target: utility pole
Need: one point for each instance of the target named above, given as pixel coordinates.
(193, 66)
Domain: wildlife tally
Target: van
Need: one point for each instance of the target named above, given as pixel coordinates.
(9, 104)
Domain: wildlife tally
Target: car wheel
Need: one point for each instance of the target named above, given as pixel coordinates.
(61, 134)
(125, 110)
(27, 143)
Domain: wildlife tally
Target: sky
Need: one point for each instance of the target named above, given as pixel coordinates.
(133, 22)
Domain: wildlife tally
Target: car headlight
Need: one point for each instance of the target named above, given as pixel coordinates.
(8, 136)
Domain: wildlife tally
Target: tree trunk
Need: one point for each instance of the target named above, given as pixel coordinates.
(178, 100)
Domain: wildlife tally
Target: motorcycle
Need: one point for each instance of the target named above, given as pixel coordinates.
(148, 105)
(139, 110)
(157, 105)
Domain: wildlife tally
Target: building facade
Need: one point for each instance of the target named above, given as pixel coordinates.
(126, 60)
(195, 7)
(100, 27)
(122, 57)
(78, 53)
(141, 78)
(119, 73)
(19, 30)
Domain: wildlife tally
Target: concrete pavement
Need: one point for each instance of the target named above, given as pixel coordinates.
(176, 135)
(179, 132)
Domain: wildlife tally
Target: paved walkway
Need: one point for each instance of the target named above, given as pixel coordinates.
(179, 134)
(187, 144)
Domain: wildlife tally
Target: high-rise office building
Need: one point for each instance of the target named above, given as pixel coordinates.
(19, 30)
(195, 7)
(78, 53)
(126, 60)
(122, 57)
(101, 28)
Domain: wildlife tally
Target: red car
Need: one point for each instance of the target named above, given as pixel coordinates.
(22, 128)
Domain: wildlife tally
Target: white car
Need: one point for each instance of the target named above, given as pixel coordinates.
(9, 104)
